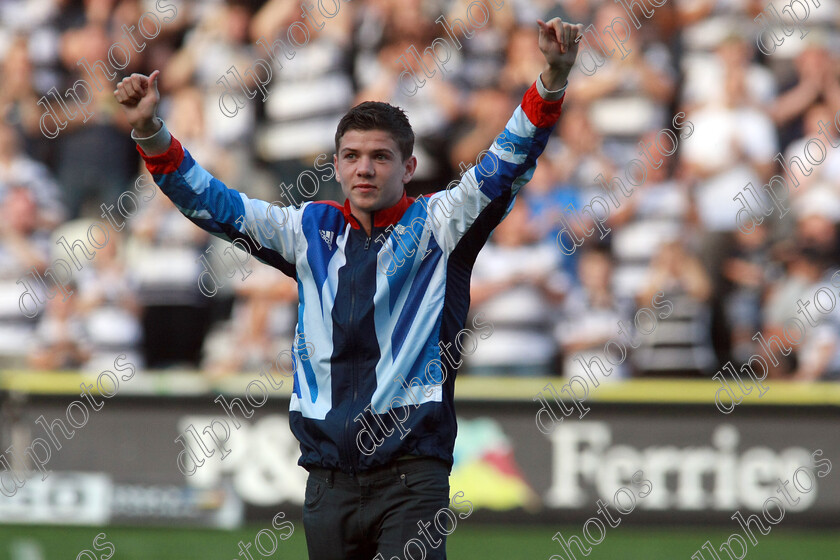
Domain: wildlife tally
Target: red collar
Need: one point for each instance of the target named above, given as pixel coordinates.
(381, 218)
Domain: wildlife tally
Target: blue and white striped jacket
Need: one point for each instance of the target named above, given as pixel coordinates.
(375, 310)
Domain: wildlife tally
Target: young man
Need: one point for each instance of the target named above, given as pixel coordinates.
(384, 292)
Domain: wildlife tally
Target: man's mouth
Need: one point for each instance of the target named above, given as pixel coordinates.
(364, 187)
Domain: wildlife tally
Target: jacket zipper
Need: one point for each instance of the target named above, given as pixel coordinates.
(353, 377)
(367, 241)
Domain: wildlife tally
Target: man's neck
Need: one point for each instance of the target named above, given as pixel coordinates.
(365, 220)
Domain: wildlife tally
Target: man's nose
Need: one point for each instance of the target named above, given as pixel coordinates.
(365, 166)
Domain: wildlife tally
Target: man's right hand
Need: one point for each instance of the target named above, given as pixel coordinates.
(138, 94)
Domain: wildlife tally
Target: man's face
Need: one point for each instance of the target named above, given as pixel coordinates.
(371, 170)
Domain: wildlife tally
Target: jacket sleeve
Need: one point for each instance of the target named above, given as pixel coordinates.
(267, 231)
(485, 193)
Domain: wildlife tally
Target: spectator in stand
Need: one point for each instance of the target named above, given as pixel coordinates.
(805, 274)
(29, 58)
(577, 149)
(547, 199)
(186, 111)
(660, 198)
(733, 144)
(60, 340)
(705, 71)
(818, 355)
(628, 95)
(590, 316)
(817, 217)
(655, 212)
(218, 42)
(748, 270)
(23, 247)
(568, 10)
(165, 265)
(575, 159)
(519, 63)
(826, 173)
(818, 228)
(485, 52)
(18, 98)
(308, 95)
(261, 326)
(704, 23)
(820, 352)
(84, 147)
(380, 23)
(108, 305)
(19, 170)
(511, 280)
(681, 342)
(818, 81)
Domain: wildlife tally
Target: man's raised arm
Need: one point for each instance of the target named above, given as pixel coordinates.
(264, 230)
(486, 192)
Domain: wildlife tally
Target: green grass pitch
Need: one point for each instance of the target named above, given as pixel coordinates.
(19, 542)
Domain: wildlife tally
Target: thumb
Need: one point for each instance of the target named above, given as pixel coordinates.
(152, 84)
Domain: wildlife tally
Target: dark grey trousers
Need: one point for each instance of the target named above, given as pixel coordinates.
(391, 513)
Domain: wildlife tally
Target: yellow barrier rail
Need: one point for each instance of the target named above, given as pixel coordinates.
(677, 391)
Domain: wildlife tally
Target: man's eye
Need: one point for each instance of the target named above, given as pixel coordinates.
(381, 157)
(349, 156)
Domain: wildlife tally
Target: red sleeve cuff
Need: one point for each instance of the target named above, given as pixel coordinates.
(167, 162)
(541, 113)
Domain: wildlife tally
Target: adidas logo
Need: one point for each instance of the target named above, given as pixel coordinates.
(327, 236)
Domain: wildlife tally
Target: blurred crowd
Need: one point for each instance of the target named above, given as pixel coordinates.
(676, 233)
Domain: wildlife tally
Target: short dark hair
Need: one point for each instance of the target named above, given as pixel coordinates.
(375, 115)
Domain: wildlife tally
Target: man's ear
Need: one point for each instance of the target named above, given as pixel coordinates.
(335, 168)
(410, 168)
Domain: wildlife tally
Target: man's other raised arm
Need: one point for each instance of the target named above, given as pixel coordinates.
(264, 230)
(486, 192)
